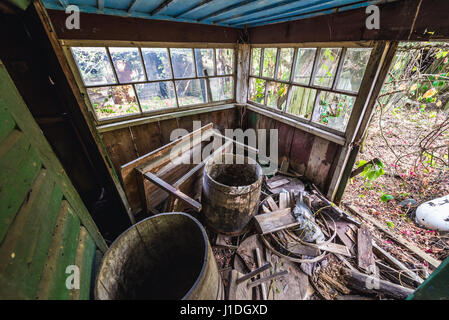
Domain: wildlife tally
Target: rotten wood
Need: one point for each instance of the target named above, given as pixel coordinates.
(399, 239)
(373, 285)
(365, 257)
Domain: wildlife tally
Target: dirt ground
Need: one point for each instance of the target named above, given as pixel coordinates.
(402, 180)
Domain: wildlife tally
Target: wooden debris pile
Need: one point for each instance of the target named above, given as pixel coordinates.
(348, 264)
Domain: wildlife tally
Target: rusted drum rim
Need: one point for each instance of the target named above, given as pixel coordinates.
(117, 241)
(232, 189)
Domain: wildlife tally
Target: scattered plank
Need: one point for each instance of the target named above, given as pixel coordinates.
(283, 200)
(365, 257)
(259, 264)
(395, 262)
(275, 221)
(265, 209)
(399, 239)
(301, 249)
(342, 229)
(373, 285)
(277, 183)
(335, 248)
(272, 204)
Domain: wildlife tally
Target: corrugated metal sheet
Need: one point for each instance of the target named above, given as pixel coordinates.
(230, 13)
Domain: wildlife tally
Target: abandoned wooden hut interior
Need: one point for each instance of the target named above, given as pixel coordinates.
(200, 150)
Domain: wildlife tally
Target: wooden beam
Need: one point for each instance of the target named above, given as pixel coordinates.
(399, 239)
(169, 188)
(162, 6)
(197, 6)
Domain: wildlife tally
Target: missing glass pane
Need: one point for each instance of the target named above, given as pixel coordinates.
(301, 102)
(255, 61)
(182, 62)
(353, 69)
(304, 65)
(204, 61)
(113, 101)
(225, 61)
(327, 66)
(128, 64)
(156, 95)
(333, 110)
(191, 91)
(257, 90)
(269, 62)
(157, 63)
(94, 65)
(277, 95)
(222, 88)
(285, 64)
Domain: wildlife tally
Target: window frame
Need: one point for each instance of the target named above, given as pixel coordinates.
(310, 85)
(68, 44)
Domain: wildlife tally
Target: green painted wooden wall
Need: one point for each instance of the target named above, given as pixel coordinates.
(44, 225)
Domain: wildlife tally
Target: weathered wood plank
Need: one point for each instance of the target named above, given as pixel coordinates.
(20, 165)
(62, 253)
(399, 239)
(85, 254)
(275, 221)
(365, 257)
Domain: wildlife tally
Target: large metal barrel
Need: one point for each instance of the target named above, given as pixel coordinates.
(231, 191)
(167, 256)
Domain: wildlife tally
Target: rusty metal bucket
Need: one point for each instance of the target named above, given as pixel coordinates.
(167, 256)
(230, 193)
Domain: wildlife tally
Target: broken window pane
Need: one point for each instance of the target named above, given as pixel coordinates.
(269, 62)
(255, 61)
(353, 69)
(257, 90)
(301, 102)
(94, 65)
(191, 91)
(277, 95)
(327, 66)
(225, 61)
(128, 65)
(333, 110)
(204, 60)
(304, 65)
(285, 64)
(113, 101)
(157, 63)
(182, 62)
(222, 88)
(156, 95)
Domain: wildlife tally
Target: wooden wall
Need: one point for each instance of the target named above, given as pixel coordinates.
(126, 144)
(309, 155)
(44, 225)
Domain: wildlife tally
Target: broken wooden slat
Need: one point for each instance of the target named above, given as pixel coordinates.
(336, 210)
(273, 206)
(300, 249)
(283, 200)
(169, 188)
(371, 284)
(270, 277)
(335, 248)
(395, 262)
(275, 221)
(222, 241)
(342, 228)
(265, 209)
(365, 258)
(413, 248)
(277, 183)
(259, 264)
